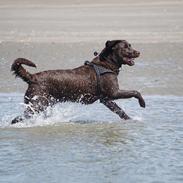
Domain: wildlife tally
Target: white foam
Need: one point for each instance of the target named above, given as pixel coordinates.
(66, 113)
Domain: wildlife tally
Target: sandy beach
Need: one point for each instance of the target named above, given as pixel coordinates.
(86, 21)
(67, 33)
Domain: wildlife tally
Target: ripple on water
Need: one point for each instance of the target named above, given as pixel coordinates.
(92, 144)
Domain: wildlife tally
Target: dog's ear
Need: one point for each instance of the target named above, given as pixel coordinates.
(110, 44)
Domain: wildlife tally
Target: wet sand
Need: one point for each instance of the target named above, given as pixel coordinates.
(65, 34)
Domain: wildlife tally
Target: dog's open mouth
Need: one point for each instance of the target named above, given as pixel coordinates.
(129, 61)
(129, 58)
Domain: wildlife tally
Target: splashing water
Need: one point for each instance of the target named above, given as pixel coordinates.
(12, 106)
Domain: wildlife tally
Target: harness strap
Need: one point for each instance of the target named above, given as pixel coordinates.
(99, 70)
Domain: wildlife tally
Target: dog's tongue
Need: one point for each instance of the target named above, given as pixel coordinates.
(130, 62)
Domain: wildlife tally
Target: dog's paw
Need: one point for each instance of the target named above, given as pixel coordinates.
(17, 120)
(142, 103)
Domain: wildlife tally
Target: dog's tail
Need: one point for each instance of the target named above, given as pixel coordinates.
(19, 71)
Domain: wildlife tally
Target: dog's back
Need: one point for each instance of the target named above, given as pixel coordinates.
(66, 83)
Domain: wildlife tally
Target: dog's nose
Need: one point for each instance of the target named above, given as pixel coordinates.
(137, 53)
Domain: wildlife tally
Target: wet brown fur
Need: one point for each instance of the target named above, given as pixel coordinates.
(79, 84)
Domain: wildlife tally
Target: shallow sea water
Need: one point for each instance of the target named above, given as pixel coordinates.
(90, 144)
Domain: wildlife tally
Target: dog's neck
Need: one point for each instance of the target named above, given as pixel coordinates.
(107, 63)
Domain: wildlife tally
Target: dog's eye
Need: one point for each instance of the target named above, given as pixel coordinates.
(126, 46)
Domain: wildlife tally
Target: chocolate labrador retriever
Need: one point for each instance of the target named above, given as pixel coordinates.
(95, 80)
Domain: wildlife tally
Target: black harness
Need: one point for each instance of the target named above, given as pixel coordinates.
(99, 70)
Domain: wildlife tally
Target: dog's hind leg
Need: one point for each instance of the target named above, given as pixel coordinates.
(21, 118)
(17, 119)
(28, 113)
(115, 108)
(34, 106)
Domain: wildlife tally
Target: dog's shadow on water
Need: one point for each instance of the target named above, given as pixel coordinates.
(84, 132)
(106, 134)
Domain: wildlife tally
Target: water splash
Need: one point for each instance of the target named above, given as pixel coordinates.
(64, 113)
(12, 106)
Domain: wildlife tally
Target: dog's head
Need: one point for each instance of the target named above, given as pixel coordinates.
(119, 52)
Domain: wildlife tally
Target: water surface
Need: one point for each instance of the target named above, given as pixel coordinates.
(88, 143)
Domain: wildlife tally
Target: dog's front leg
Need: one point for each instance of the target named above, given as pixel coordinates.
(122, 94)
(114, 108)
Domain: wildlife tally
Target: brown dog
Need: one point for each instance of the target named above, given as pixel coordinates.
(96, 80)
